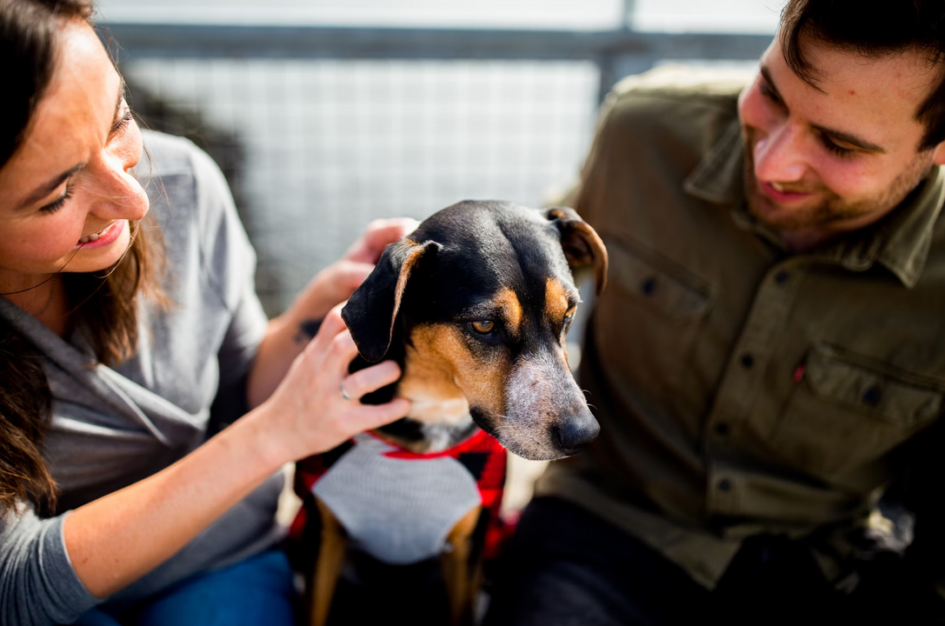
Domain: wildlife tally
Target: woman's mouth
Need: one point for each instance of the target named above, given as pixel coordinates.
(103, 237)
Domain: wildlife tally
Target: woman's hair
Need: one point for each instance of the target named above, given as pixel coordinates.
(103, 304)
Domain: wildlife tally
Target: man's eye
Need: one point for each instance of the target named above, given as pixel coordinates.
(838, 150)
(483, 327)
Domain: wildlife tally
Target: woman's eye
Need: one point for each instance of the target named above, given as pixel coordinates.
(123, 121)
(483, 327)
(59, 202)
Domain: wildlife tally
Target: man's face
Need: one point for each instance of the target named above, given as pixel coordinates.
(831, 159)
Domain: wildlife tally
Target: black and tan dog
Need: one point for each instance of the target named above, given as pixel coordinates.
(475, 306)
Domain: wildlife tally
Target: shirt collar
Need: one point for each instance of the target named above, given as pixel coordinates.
(900, 241)
(718, 177)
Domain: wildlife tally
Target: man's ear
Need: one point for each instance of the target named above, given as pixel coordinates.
(938, 156)
(581, 244)
(372, 309)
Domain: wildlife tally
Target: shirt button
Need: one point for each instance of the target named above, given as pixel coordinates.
(781, 277)
(724, 484)
(872, 396)
(722, 429)
(747, 360)
(648, 286)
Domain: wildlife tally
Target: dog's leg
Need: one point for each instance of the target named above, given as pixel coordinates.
(331, 555)
(459, 573)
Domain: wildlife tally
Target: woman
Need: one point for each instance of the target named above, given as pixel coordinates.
(111, 493)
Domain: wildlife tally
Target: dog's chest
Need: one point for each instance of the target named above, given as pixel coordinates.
(399, 506)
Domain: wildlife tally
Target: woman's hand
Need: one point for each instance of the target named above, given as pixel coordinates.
(308, 412)
(330, 286)
(339, 280)
(290, 332)
(116, 539)
(376, 237)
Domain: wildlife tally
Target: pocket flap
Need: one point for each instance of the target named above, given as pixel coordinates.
(873, 386)
(667, 286)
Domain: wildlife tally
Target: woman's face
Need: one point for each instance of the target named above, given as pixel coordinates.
(66, 195)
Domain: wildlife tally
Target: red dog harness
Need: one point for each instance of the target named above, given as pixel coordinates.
(399, 506)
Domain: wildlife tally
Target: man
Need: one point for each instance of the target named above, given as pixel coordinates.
(770, 352)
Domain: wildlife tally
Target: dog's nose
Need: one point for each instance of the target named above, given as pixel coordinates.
(575, 432)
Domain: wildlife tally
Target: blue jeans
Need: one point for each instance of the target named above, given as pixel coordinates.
(256, 591)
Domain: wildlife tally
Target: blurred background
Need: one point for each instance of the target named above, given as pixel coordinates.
(324, 115)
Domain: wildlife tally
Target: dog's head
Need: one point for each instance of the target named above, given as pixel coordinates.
(481, 298)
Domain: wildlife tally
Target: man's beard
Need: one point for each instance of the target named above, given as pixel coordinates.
(832, 209)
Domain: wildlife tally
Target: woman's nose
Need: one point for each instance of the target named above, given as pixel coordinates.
(117, 194)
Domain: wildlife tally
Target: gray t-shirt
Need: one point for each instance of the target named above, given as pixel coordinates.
(114, 426)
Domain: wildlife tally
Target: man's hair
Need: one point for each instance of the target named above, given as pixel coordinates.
(872, 28)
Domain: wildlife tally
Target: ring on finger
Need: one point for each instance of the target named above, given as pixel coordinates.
(344, 392)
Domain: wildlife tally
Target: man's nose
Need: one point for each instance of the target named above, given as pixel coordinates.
(779, 157)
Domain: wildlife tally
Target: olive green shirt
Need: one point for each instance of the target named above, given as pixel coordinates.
(742, 388)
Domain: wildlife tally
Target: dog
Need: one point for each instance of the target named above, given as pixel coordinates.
(474, 306)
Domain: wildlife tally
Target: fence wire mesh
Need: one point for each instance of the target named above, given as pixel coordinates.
(315, 149)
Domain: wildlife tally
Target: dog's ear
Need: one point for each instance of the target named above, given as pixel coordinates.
(372, 309)
(582, 246)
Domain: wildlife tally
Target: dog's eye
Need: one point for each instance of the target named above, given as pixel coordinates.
(570, 314)
(483, 327)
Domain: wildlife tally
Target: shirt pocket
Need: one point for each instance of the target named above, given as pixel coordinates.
(852, 410)
(656, 282)
(649, 316)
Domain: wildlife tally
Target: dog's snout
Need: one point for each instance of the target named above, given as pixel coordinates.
(574, 433)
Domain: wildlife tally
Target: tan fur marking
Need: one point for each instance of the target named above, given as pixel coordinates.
(599, 252)
(412, 257)
(511, 308)
(433, 395)
(442, 348)
(556, 299)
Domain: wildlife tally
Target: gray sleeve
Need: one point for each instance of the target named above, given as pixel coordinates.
(37, 582)
(231, 261)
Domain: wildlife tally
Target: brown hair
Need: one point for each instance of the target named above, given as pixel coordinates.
(872, 28)
(104, 303)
